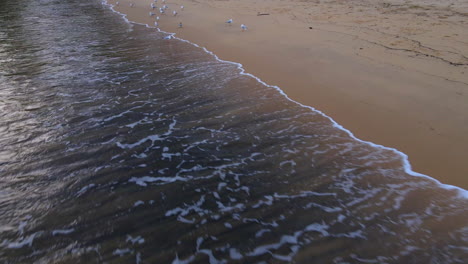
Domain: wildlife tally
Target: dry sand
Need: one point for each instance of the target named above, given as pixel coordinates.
(392, 72)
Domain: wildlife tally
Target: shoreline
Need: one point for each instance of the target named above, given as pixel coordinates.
(295, 83)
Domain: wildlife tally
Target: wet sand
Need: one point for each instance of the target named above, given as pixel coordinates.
(393, 73)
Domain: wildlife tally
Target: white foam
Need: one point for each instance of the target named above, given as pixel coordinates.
(63, 231)
(85, 189)
(152, 138)
(181, 219)
(261, 232)
(135, 240)
(302, 194)
(142, 181)
(138, 258)
(321, 228)
(170, 155)
(285, 239)
(268, 202)
(235, 254)
(133, 125)
(325, 208)
(292, 163)
(462, 193)
(367, 195)
(199, 242)
(272, 224)
(354, 234)
(183, 261)
(121, 252)
(211, 257)
(117, 116)
(221, 185)
(27, 241)
(223, 208)
(185, 211)
(137, 203)
(21, 226)
(363, 260)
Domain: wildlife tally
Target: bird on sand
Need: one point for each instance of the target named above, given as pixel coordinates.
(132, 4)
(157, 18)
(168, 37)
(153, 6)
(117, 3)
(156, 24)
(181, 7)
(174, 13)
(229, 21)
(243, 27)
(151, 14)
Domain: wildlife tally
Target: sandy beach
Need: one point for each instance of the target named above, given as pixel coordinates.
(392, 72)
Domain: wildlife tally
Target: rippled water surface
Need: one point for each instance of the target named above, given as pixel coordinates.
(118, 146)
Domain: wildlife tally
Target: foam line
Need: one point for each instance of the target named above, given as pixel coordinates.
(462, 193)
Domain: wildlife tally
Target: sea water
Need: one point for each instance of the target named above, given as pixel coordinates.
(119, 146)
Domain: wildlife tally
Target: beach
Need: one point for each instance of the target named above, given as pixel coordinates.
(392, 72)
(123, 144)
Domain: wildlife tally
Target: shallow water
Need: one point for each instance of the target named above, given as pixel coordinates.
(119, 146)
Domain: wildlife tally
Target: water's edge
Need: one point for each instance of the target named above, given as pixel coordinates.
(462, 193)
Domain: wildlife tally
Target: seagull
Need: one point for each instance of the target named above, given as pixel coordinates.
(151, 14)
(168, 37)
(164, 1)
(156, 24)
(117, 3)
(153, 6)
(132, 4)
(155, 1)
(180, 25)
(165, 7)
(161, 10)
(229, 21)
(243, 27)
(174, 13)
(182, 7)
(157, 18)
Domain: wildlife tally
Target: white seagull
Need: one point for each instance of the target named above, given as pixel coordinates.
(182, 7)
(243, 27)
(153, 6)
(229, 21)
(156, 24)
(157, 18)
(132, 4)
(168, 37)
(151, 14)
(161, 10)
(174, 13)
(117, 3)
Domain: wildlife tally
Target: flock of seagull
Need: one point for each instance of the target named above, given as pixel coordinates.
(162, 11)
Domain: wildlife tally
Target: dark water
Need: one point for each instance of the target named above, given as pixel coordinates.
(117, 146)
